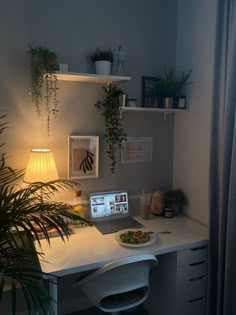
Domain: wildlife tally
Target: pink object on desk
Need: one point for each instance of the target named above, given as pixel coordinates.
(157, 203)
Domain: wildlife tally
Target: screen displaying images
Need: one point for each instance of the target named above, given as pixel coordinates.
(108, 204)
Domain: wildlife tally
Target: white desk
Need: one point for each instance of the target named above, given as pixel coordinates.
(88, 249)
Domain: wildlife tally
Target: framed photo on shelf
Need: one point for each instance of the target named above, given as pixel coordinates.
(149, 91)
(83, 156)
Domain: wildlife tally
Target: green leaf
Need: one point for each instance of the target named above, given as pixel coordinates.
(25, 214)
(114, 134)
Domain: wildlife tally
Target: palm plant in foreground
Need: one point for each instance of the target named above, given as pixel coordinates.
(24, 214)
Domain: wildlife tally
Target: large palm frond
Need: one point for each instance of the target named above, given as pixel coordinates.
(27, 214)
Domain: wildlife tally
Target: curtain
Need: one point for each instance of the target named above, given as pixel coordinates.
(222, 223)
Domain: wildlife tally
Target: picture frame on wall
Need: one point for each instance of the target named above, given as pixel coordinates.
(149, 91)
(83, 156)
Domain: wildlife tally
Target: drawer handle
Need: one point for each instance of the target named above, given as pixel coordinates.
(198, 263)
(195, 300)
(198, 248)
(195, 279)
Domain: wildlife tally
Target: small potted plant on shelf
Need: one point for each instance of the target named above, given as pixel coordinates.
(102, 60)
(110, 108)
(170, 88)
(176, 200)
(44, 81)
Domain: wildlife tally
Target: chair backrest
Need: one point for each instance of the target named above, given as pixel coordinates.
(120, 284)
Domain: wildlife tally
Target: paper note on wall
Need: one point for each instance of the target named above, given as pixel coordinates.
(137, 150)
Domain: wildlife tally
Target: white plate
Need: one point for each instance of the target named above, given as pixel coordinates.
(152, 240)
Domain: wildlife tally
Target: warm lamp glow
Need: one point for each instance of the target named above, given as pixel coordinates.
(41, 167)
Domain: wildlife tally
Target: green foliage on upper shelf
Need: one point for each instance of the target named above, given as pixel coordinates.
(172, 84)
(99, 55)
(26, 214)
(44, 81)
(110, 109)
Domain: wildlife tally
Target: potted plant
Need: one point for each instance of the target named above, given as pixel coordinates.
(175, 199)
(44, 81)
(110, 109)
(102, 60)
(27, 214)
(170, 87)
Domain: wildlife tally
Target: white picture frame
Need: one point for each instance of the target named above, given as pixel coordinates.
(137, 150)
(83, 157)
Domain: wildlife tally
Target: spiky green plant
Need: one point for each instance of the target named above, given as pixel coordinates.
(25, 213)
(172, 84)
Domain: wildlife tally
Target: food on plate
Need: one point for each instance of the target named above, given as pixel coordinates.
(135, 237)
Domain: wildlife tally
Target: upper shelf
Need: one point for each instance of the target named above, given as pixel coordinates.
(92, 78)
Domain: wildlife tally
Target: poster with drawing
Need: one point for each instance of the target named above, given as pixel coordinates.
(83, 157)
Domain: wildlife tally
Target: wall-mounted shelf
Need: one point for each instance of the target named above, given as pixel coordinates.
(146, 109)
(92, 78)
(165, 111)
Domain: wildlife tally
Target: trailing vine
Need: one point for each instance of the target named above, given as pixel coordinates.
(110, 109)
(44, 81)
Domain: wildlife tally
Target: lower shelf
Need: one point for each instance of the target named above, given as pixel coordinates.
(160, 110)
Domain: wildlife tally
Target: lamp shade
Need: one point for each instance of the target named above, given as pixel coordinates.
(41, 167)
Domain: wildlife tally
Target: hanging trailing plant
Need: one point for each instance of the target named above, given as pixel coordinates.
(44, 81)
(114, 135)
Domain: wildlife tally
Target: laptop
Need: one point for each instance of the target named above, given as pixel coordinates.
(109, 211)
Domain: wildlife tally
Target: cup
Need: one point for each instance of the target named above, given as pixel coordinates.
(145, 212)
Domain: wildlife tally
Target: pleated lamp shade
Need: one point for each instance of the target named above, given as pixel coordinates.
(41, 167)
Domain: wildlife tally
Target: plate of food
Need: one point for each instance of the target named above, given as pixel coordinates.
(135, 238)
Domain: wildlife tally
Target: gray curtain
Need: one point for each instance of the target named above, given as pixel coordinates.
(222, 244)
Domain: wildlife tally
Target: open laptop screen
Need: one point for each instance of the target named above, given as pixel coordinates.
(108, 204)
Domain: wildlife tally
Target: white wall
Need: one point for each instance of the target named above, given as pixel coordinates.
(73, 29)
(147, 32)
(196, 25)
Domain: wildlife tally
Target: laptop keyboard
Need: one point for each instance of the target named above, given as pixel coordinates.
(111, 226)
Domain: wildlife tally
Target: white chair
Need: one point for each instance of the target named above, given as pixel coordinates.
(119, 285)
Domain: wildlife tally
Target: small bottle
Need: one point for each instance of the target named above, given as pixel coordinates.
(144, 208)
(168, 212)
(118, 64)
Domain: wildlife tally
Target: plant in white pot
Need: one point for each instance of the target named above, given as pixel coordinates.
(103, 60)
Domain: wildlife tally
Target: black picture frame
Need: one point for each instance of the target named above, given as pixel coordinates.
(149, 91)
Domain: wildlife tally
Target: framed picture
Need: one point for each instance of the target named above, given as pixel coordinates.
(149, 91)
(83, 156)
(137, 150)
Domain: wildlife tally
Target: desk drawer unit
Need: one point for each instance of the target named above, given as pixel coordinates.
(191, 285)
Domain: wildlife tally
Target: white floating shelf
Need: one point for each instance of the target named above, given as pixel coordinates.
(92, 78)
(160, 110)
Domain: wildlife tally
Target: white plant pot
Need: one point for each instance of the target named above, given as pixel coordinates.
(103, 67)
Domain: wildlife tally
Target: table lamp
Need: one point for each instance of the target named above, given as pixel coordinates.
(41, 167)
